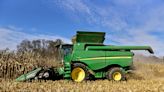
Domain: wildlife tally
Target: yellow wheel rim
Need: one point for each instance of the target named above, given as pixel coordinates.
(78, 74)
(117, 76)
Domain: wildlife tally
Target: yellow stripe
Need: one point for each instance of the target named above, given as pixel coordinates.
(116, 57)
(105, 58)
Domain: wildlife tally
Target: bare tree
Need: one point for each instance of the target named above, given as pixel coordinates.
(45, 48)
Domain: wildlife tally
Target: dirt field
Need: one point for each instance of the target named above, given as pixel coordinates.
(148, 76)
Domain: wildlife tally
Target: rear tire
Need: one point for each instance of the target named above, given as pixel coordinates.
(116, 74)
(79, 72)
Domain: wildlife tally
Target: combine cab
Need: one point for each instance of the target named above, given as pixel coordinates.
(88, 58)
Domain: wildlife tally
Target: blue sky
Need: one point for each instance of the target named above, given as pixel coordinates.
(126, 22)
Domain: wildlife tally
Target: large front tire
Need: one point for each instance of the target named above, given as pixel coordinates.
(79, 72)
(116, 74)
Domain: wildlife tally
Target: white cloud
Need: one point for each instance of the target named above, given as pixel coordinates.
(10, 38)
(131, 22)
(75, 6)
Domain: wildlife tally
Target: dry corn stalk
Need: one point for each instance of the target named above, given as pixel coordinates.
(14, 64)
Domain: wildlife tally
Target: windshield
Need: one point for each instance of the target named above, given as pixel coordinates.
(65, 50)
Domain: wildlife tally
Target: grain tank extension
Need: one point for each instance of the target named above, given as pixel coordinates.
(88, 58)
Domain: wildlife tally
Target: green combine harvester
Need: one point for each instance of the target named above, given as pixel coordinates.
(88, 58)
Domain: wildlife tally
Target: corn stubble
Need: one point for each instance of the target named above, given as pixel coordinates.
(147, 77)
(131, 85)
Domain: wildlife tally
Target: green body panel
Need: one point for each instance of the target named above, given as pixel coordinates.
(98, 56)
(90, 37)
(100, 59)
(120, 61)
(29, 75)
(120, 58)
(83, 56)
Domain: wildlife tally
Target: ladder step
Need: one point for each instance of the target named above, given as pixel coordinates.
(68, 72)
(66, 63)
(67, 68)
(67, 76)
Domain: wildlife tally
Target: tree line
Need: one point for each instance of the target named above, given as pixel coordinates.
(42, 47)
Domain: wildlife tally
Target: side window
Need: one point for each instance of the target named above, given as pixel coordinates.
(67, 49)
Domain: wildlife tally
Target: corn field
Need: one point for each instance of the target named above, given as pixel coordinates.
(13, 64)
(132, 85)
(147, 76)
